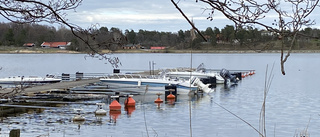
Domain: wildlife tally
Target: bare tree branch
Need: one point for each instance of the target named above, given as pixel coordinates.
(291, 17)
(191, 23)
(32, 11)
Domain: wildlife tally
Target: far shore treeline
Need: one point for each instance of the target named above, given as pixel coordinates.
(227, 38)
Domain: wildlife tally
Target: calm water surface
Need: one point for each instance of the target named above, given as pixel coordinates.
(292, 101)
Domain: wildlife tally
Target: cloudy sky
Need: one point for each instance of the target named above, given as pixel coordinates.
(160, 15)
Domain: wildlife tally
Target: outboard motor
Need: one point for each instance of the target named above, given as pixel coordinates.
(212, 81)
(204, 87)
(226, 75)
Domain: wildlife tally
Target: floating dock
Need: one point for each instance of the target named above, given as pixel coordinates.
(65, 85)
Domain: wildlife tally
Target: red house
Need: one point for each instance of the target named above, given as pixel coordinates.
(28, 44)
(157, 47)
(61, 45)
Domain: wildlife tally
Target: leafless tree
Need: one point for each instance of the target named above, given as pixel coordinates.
(54, 11)
(290, 17)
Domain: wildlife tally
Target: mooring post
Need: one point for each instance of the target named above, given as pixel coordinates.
(15, 133)
(65, 77)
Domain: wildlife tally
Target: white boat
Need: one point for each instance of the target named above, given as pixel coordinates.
(200, 72)
(186, 75)
(18, 80)
(155, 85)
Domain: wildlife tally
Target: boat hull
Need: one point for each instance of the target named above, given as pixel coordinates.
(139, 85)
(187, 75)
(27, 80)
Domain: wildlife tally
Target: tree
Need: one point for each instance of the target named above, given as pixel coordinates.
(290, 17)
(9, 37)
(209, 32)
(53, 11)
(241, 35)
(181, 35)
(21, 37)
(228, 33)
(131, 36)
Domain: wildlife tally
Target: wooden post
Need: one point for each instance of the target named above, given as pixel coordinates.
(15, 133)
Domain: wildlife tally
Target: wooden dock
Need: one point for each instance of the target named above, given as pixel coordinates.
(53, 86)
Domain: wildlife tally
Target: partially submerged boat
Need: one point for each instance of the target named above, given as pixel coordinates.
(22, 80)
(186, 75)
(155, 84)
(206, 76)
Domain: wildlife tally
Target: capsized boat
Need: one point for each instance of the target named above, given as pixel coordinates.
(154, 83)
(200, 72)
(186, 75)
(207, 77)
(18, 80)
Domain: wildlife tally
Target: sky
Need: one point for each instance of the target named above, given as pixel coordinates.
(159, 15)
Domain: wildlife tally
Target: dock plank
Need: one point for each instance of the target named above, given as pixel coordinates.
(51, 86)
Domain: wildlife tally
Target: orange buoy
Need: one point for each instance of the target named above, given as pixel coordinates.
(171, 96)
(130, 102)
(158, 100)
(251, 73)
(115, 105)
(242, 75)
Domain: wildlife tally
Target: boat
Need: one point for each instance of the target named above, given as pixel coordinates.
(186, 75)
(155, 85)
(207, 77)
(200, 72)
(22, 80)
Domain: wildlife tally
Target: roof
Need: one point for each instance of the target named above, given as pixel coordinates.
(55, 44)
(28, 44)
(157, 47)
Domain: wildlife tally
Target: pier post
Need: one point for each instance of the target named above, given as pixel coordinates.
(116, 70)
(79, 76)
(170, 89)
(65, 77)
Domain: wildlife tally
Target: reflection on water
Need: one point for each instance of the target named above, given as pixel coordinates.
(58, 120)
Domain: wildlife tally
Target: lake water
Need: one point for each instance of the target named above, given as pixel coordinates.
(292, 100)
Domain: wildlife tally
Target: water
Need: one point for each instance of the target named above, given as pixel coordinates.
(291, 102)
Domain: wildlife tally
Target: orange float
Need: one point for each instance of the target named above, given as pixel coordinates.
(171, 96)
(243, 75)
(130, 102)
(158, 100)
(115, 105)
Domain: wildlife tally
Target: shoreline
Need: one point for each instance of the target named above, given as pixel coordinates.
(26, 51)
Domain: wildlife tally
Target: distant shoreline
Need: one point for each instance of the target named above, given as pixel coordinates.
(58, 51)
